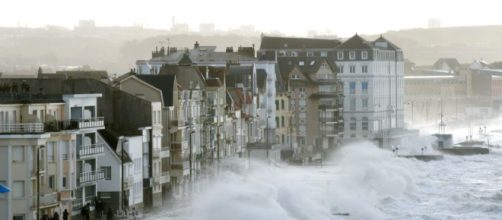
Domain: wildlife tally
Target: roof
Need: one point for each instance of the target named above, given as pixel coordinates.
(451, 62)
(185, 75)
(268, 42)
(164, 83)
(387, 44)
(307, 65)
(112, 139)
(76, 74)
(355, 42)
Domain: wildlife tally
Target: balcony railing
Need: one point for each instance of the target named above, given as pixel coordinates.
(90, 122)
(165, 177)
(22, 128)
(90, 150)
(180, 165)
(329, 120)
(91, 176)
(165, 152)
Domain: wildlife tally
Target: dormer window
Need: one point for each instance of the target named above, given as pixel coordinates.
(364, 55)
(339, 55)
(310, 54)
(352, 55)
(301, 63)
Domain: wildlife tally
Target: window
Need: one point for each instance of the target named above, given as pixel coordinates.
(108, 172)
(340, 69)
(282, 104)
(364, 68)
(64, 182)
(364, 87)
(277, 121)
(365, 103)
(339, 55)
(352, 69)
(18, 189)
(50, 151)
(352, 104)
(364, 124)
(310, 54)
(364, 55)
(352, 87)
(352, 55)
(52, 179)
(352, 124)
(324, 54)
(18, 154)
(276, 104)
(301, 63)
(282, 121)
(18, 217)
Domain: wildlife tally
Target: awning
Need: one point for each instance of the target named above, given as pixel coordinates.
(4, 189)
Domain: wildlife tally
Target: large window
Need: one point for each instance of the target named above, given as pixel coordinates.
(365, 124)
(364, 68)
(352, 55)
(339, 55)
(352, 124)
(365, 103)
(352, 69)
(352, 87)
(108, 172)
(364, 55)
(352, 104)
(340, 69)
(364, 87)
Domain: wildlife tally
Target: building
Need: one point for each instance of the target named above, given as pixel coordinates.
(50, 141)
(373, 77)
(315, 96)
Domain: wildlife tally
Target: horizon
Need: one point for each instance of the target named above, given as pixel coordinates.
(295, 20)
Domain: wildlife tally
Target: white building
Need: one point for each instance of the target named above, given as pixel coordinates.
(373, 77)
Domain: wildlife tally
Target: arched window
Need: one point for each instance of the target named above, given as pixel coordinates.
(352, 124)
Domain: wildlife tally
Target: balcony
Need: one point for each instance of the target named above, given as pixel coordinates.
(22, 128)
(91, 176)
(49, 199)
(165, 177)
(91, 150)
(165, 152)
(180, 165)
(90, 122)
(328, 120)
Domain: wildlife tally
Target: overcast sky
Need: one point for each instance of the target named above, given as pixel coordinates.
(292, 17)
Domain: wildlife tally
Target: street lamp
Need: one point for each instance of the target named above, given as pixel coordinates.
(122, 192)
(38, 180)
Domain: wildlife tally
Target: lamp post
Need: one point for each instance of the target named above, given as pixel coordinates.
(38, 180)
(122, 192)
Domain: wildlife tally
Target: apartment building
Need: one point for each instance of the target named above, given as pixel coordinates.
(315, 101)
(50, 154)
(373, 77)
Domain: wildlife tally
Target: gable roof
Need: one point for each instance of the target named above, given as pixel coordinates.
(238, 74)
(268, 42)
(451, 62)
(112, 139)
(355, 42)
(389, 45)
(306, 65)
(185, 75)
(164, 83)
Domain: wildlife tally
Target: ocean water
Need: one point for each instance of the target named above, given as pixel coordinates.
(359, 182)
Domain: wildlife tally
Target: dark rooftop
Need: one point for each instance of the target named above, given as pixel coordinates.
(164, 83)
(275, 43)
